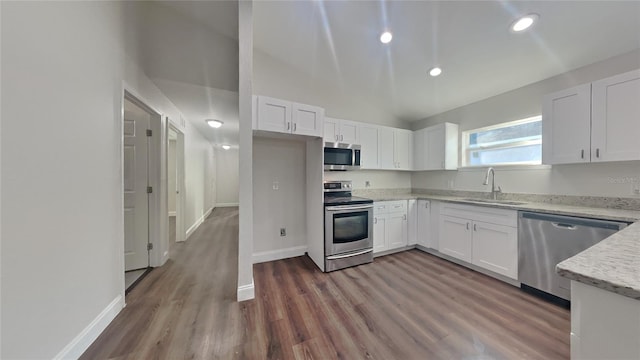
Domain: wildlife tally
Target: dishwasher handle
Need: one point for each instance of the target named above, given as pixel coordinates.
(563, 226)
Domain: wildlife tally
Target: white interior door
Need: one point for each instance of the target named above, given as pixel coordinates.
(136, 201)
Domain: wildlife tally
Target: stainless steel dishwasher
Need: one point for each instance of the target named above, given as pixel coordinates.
(545, 240)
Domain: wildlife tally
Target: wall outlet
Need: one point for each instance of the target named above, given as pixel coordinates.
(367, 183)
(635, 188)
(283, 231)
(276, 185)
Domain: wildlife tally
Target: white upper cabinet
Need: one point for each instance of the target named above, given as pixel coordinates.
(403, 149)
(307, 120)
(615, 118)
(566, 126)
(593, 122)
(274, 114)
(343, 131)
(369, 135)
(386, 148)
(283, 116)
(395, 149)
(436, 147)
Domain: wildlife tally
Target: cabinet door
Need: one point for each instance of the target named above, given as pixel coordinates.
(349, 132)
(331, 130)
(396, 230)
(615, 118)
(566, 126)
(369, 147)
(435, 147)
(455, 237)
(419, 150)
(424, 223)
(386, 148)
(412, 222)
(379, 232)
(274, 114)
(402, 141)
(307, 120)
(495, 248)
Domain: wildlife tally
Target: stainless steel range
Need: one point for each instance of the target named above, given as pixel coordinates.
(348, 227)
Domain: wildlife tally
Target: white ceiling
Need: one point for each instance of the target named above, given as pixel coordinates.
(190, 49)
(337, 41)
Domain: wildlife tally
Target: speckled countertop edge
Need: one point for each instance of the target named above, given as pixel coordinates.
(613, 264)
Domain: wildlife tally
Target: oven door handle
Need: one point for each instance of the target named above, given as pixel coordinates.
(348, 207)
(336, 257)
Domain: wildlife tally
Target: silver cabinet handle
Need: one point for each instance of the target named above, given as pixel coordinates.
(598, 153)
(294, 126)
(467, 226)
(375, 220)
(475, 228)
(336, 137)
(404, 217)
(341, 138)
(426, 205)
(288, 125)
(582, 154)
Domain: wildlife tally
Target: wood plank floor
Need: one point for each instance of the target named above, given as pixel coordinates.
(409, 305)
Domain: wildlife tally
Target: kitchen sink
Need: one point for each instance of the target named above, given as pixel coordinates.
(499, 202)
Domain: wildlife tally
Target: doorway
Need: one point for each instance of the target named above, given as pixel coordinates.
(175, 184)
(136, 124)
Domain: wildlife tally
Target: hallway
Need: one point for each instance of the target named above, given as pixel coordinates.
(184, 308)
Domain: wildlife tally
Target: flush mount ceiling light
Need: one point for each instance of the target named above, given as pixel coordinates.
(226, 147)
(214, 123)
(524, 23)
(435, 71)
(386, 37)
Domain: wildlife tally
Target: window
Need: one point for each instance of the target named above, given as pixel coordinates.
(514, 142)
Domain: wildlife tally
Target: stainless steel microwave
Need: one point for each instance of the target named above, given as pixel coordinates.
(339, 156)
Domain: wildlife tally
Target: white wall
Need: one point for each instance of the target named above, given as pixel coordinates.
(227, 180)
(378, 179)
(61, 118)
(246, 289)
(199, 177)
(272, 77)
(284, 162)
(611, 179)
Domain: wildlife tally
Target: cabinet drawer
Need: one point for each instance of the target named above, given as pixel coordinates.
(481, 213)
(385, 207)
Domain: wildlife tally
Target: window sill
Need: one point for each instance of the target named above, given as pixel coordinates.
(505, 167)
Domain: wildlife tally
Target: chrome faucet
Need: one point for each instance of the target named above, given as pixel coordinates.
(494, 191)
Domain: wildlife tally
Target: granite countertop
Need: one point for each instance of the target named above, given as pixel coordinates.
(556, 209)
(613, 264)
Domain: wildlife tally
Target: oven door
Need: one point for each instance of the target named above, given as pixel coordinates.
(348, 228)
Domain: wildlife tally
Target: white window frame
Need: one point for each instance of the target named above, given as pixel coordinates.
(466, 149)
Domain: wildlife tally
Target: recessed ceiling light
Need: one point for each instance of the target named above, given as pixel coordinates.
(435, 71)
(386, 37)
(214, 123)
(226, 147)
(524, 23)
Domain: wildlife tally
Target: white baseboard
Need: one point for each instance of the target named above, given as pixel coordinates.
(227, 204)
(246, 292)
(172, 213)
(198, 222)
(271, 255)
(81, 343)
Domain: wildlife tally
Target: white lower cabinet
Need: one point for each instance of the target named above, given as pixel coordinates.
(455, 237)
(390, 225)
(412, 223)
(495, 248)
(483, 236)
